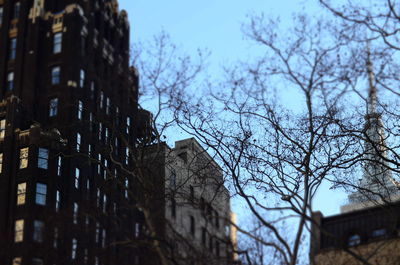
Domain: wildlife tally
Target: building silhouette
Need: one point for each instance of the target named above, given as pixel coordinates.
(68, 104)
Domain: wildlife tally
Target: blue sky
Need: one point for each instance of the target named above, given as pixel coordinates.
(217, 26)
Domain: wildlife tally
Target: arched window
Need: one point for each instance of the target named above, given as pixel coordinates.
(353, 240)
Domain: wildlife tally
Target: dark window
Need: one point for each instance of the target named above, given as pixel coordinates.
(1, 15)
(216, 219)
(203, 236)
(38, 231)
(191, 193)
(53, 108)
(10, 81)
(173, 207)
(192, 226)
(379, 233)
(17, 7)
(202, 204)
(55, 75)
(37, 261)
(353, 240)
(57, 42)
(217, 248)
(13, 49)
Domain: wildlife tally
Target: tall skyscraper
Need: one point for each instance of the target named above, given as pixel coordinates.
(68, 104)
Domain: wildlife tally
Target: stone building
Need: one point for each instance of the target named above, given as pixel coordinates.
(68, 104)
(197, 224)
(369, 235)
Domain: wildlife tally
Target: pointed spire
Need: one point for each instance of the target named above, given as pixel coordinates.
(372, 97)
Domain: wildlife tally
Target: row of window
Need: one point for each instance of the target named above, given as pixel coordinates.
(355, 239)
(40, 194)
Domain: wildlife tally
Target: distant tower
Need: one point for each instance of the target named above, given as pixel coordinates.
(377, 184)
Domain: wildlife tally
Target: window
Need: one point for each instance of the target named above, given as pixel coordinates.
(116, 146)
(103, 239)
(216, 219)
(379, 233)
(89, 150)
(137, 229)
(57, 42)
(74, 247)
(173, 207)
(217, 248)
(10, 81)
(55, 238)
(100, 131)
(55, 75)
(1, 163)
(53, 107)
(192, 226)
(105, 166)
(43, 158)
(191, 193)
(19, 231)
(58, 199)
(21, 193)
(85, 256)
(91, 123)
(59, 164)
(17, 7)
(101, 99)
(80, 110)
(203, 236)
(210, 243)
(77, 176)
(17, 261)
(98, 197)
(78, 142)
(2, 128)
(128, 124)
(99, 164)
(75, 215)
(23, 157)
(92, 88)
(1, 15)
(106, 134)
(37, 261)
(353, 240)
(13, 49)
(108, 105)
(41, 192)
(126, 188)
(104, 203)
(97, 235)
(38, 231)
(173, 180)
(126, 155)
(82, 78)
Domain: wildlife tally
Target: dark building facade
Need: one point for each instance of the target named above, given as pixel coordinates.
(370, 235)
(68, 105)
